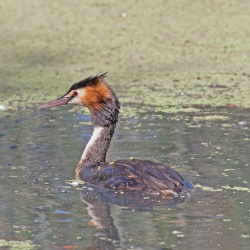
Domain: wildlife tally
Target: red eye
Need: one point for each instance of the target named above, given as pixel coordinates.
(75, 93)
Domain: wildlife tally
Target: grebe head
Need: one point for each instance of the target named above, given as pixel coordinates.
(94, 93)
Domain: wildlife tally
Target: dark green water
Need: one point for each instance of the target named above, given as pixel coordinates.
(39, 152)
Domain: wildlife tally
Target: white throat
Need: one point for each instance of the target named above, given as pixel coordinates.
(96, 134)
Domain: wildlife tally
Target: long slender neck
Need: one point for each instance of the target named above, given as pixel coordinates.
(104, 108)
(98, 145)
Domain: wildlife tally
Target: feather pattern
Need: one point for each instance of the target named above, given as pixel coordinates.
(135, 175)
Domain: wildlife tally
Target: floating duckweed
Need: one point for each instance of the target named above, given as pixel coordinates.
(210, 118)
(85, 123)
(244, 236)
(22, 167)
(176, 232)
(204, 143)
(197, 185)
(21, 245)
(236, 188)
(226, 125)
(159, 116)
(212, 189)
(208, 188)
(18, 167)
(75, 182)
(194, 126)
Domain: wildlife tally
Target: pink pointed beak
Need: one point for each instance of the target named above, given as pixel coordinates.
(58, 102)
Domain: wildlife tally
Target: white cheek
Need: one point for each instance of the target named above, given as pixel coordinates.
(74, 101)
(78, 99)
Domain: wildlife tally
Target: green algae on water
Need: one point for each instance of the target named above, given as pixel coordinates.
(13, 244)
(185, 70)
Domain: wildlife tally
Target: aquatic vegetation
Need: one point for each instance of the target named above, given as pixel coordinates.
(236, 188)
(168, 68)
(14, 244)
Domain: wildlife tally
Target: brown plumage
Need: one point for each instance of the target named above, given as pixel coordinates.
(134, 176)
(140, 176)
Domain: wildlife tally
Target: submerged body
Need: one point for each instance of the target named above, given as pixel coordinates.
(134, 176)
(125, 175)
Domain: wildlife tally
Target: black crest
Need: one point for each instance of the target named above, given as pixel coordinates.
(90, 81)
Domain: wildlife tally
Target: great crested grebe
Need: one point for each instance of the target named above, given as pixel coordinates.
(134, 175)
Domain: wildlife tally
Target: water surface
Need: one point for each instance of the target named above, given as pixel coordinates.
(39, 208)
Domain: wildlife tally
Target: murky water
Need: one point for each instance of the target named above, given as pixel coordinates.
(39, 152)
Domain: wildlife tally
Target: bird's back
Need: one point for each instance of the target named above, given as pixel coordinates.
(135, 176)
